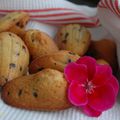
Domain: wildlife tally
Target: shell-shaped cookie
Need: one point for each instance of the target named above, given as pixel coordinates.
(45, 90)
(15, 18)
(105, 49)
(73, 37)
(14, 57)
(39, 43)
(56, 61)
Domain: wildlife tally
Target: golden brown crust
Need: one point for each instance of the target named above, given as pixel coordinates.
(105, 49)
(18, 31)
(56, 61)
(15, 18)
(14, 57)
(46, 90)
(39, 43)
(73, 37)
(102, 62)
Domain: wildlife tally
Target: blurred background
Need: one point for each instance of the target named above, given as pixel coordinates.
(92, 3)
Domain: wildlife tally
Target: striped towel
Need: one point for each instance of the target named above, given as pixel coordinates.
(109, 16)
(52, 11)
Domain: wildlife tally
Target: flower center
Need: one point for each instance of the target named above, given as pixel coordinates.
(89, 86)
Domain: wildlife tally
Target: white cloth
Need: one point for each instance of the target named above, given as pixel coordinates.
(60, 12)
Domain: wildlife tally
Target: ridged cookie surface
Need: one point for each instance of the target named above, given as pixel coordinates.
(45, 90)
(57, 60)
(73, 37)
(14, 57)
(39, 43)
(15, 18)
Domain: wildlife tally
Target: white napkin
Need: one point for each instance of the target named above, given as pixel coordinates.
(57, 12)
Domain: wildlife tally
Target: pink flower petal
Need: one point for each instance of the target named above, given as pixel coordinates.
(77, 94)
(103, 98)
(102, 75)
(91, 112)
(114, 83)
(90, 63)
(76, 72)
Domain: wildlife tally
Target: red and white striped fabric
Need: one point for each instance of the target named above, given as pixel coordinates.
(109, 16)
(112, 5)
(52, 11)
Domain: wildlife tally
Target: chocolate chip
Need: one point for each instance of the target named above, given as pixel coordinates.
(10, 34)
(21, 25)
(6, 79)
(32, 37)
(84, 42)
(8, 93)
(66, 35)
(35, 94)
(80, 29)
(12, 65)
(23, 47)
(33, 40)
(14, 19)
(54, 63)
(18, 23)
(20, 92)
(39, 69)
(64, 41)
(18, 54)
(69, 60)
(20, 68)
(72, 53)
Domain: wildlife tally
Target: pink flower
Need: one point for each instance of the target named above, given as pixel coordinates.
(91, 86)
